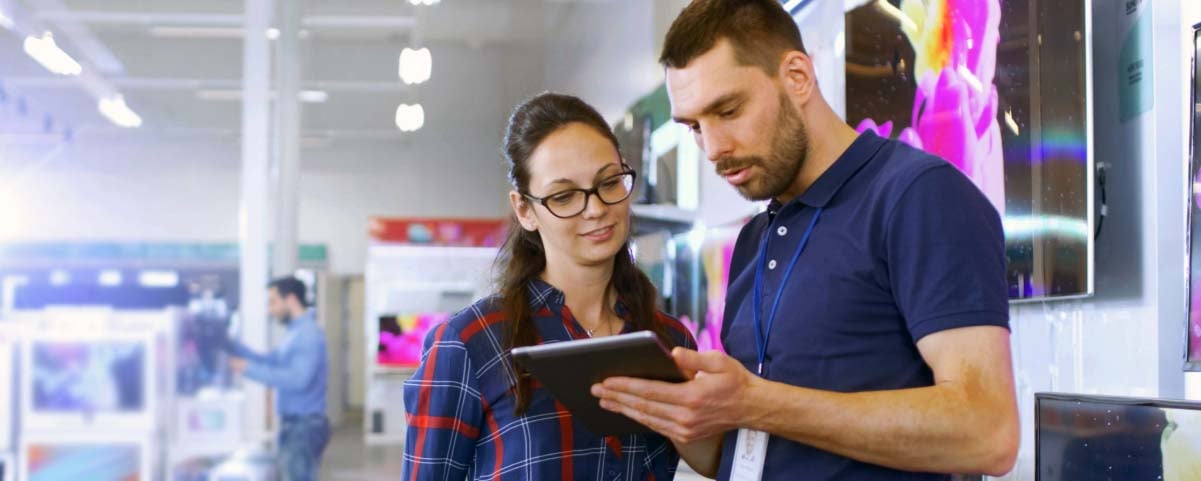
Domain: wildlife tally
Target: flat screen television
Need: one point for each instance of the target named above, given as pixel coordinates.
(79, 381)
(1193, 354)
(1002, 90)
(401, 337)
(61, 458)
(1080, 437)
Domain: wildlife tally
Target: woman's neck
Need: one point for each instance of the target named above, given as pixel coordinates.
(584, 288)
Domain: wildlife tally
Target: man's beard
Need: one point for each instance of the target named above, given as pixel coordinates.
(789, 149)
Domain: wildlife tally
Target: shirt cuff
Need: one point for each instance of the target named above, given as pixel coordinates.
(947, 322)
(256, 372)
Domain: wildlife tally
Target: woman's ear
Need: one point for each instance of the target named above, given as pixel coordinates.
(524, 211)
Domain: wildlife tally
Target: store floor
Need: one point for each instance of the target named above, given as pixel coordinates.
(349, 459)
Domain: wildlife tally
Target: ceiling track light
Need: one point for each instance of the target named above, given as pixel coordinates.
(410, 118)
(416, 65)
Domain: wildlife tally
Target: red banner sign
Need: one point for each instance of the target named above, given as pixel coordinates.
(440, 232)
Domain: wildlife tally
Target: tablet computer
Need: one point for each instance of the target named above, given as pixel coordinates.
(569, 369)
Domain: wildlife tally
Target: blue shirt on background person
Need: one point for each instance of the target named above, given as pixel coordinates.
(298, 370)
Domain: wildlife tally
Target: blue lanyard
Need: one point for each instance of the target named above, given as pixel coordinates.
(761, 334)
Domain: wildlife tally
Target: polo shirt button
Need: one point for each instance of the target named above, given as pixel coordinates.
(782, 231)
(771, 265)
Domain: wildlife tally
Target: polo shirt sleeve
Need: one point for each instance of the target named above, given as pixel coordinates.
(945, 250)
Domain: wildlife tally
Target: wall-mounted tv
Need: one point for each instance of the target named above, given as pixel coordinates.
(1079, 437)
(1001, 90)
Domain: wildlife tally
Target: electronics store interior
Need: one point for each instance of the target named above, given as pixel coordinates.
(290, 240)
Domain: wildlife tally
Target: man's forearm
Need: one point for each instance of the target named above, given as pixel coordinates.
(944, 428)
(237, 349)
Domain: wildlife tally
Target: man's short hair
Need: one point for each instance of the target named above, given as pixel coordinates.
(760, 31)
(290, 286)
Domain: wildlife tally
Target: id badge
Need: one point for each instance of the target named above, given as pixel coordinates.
(750, 452)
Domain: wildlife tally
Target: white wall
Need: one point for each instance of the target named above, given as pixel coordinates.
(183, 187)
(66, 195)
(608, 54)
(175, 193)
(605, 52)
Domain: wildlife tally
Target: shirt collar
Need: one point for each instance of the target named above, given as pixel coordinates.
(542, 294)
(831, 181)
(308, 316)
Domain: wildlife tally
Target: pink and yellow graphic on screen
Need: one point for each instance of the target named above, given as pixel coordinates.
(955, 107)
(402, 348)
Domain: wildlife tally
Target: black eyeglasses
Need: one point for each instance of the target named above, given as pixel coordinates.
(572, 202)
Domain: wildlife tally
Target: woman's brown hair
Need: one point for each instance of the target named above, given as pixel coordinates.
(523, 258)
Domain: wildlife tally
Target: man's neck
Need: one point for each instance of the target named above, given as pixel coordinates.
(826, 146)
(297, 315)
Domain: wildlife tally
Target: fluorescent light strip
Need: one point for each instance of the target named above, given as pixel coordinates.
(231, 95)
(161, 279)
(46, 52)
(117, 112)
(162, 31)
(314, 96)
(109, 278)
(60, 277)
(168, 31)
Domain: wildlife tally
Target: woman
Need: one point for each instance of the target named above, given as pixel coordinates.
(565, 273)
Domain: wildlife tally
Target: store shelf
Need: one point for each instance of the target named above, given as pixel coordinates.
(393, 371)
(650, 218)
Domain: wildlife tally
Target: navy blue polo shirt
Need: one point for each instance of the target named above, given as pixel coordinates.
(906, 246)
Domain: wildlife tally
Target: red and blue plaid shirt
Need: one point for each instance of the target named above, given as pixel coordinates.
(459, 406)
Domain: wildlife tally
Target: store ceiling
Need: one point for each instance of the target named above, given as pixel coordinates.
(178, 62)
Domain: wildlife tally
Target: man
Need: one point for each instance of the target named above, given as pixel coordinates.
(297, 370)
(867, 311)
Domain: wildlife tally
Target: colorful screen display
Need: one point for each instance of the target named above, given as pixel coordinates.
(88, 377)
(1194, 317)
(999, 90)
(93, 462)
(401, 337)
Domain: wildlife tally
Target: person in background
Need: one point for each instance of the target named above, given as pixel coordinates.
(297, 371)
